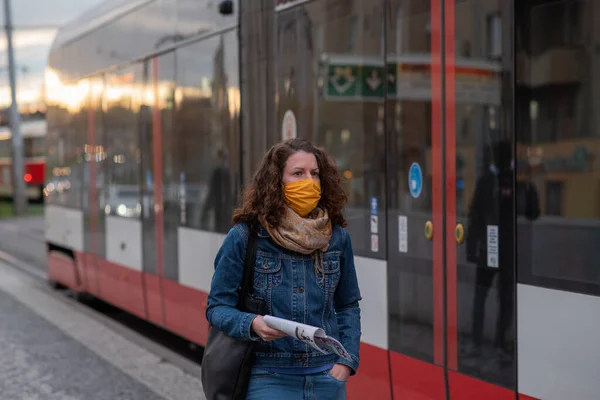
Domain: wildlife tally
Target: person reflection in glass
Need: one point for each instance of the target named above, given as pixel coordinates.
(219, 201)
(492, 206)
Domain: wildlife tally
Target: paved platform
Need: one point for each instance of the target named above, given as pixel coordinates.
(51, 350)
(23, 238)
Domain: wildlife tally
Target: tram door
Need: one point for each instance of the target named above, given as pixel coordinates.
(450, 200)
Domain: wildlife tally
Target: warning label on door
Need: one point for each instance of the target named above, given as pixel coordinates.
(492, 246)
(403, 234)
(374, 243)
(374, 224)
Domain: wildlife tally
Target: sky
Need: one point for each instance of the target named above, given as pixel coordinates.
(36, 23)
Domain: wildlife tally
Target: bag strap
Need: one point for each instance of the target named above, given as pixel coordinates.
(247, 280)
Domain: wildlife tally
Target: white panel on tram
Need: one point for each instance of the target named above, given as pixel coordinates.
(559, 349)
(372, 280)
(64, 227)
(197, 252)
(124, 242)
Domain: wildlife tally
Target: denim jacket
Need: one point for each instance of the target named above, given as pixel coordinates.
(287, 281)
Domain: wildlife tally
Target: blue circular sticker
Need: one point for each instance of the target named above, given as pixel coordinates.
(415, 180)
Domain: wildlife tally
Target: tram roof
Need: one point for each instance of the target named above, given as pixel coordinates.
(117, 32)
(95, 17)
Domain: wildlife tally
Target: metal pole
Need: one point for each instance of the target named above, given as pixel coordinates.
(19, 189)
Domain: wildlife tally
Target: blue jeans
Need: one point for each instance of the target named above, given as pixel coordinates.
(266, 385)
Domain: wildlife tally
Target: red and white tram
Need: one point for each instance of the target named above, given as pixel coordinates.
(465, 130)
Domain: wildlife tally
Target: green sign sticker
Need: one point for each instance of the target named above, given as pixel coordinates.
(372, 81)
(361, 82)
(342, 81)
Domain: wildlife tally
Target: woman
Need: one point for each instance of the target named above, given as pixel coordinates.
(304, 270)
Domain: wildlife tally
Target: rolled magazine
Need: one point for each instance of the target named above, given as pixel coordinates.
(311, 335)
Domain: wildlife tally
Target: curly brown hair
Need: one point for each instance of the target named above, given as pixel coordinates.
(264, 197)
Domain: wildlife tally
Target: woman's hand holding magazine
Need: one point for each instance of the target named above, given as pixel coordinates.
(311, 335)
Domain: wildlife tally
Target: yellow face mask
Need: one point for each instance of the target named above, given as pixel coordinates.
(303, 196)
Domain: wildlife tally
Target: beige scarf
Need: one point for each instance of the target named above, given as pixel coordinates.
(308, 235)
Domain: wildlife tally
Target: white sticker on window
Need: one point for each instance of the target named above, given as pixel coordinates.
(289, 129)
(374, 224)
(492, 246)
(403, 234)
(374, 243)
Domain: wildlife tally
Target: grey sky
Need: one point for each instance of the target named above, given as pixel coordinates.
(32, 45)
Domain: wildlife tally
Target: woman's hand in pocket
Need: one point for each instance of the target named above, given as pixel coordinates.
(340, 372)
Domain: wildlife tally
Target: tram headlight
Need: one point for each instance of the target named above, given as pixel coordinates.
(122, 210)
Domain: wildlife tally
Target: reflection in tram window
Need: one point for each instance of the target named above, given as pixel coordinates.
(484, 205)
(558, 144)
(338, 101)
(409, 120)
(156, 119)
(97, 85)
(123, 102)
(490, 341)
(65, 162)
(554, 194)
(206, 138)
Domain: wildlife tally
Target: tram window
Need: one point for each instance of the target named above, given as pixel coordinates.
(161, 75)
(52, 155)
(34, 147)
(5, 148)
(484, 195)
(558, 150)
(66, 138)
(494, 36)
(554, 194)
(206, 132)
(28, 147)
(122, 103)
(58, 117)
(96, 98)
(319, 55)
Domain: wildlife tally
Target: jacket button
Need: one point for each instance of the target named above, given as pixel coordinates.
(300, 290)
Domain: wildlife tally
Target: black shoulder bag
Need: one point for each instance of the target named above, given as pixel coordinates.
(227, 362)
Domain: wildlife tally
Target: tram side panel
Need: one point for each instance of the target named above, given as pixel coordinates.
(558, 323)
(64, 236)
